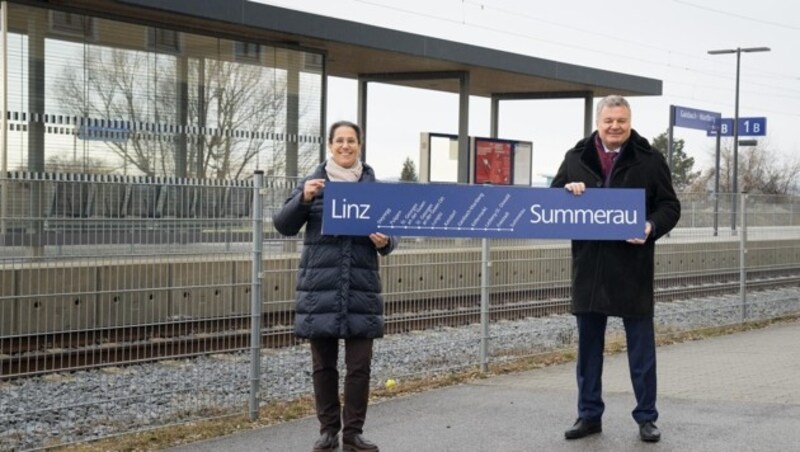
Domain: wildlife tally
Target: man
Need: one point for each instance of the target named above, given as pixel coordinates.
(615, 278)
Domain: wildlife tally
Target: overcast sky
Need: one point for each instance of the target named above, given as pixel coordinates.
(666, 40)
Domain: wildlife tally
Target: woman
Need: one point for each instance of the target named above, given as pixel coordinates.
(338, 293)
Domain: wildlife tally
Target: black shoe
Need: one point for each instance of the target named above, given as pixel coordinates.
(649, 432)
(583, 428)
(327, 442)
(359, 444)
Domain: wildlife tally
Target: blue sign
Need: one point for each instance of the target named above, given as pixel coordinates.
(449, 210)
(103, 133)
(748, 127)
(695, 119)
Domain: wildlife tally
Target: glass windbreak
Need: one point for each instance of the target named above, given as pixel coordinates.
(91, 95)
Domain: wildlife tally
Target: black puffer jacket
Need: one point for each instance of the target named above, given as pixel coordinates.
(338, 283)
(615, 277)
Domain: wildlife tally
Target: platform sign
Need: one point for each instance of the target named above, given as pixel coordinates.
(450, 210)
(693, 118)
(114, 131)
(748, 127)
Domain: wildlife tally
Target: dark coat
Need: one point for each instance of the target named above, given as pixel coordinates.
(615, 277)
(338, 283)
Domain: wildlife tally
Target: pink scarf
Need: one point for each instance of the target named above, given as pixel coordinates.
(338, 173)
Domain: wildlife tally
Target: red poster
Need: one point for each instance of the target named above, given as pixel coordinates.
(492, 162)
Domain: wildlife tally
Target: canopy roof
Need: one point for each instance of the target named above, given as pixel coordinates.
(355, 49)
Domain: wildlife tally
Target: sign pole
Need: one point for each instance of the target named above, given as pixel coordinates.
(713, 124)
(716, 183)
(670, 137)
(735, 184)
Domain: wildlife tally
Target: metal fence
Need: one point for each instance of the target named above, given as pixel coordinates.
(127, 303)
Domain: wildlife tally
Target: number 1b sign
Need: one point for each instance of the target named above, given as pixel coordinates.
(748, 127)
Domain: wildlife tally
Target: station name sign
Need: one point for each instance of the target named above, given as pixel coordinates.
(693, 118)
(450, 210)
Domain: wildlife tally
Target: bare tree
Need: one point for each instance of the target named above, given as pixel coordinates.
(761, 170)
(90, 165)
(114, 87)
(243, 103)
(233, 110)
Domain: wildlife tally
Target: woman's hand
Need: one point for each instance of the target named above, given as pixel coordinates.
(380, 240)
(312, 188)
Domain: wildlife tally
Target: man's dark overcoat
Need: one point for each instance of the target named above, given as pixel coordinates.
(615, 277)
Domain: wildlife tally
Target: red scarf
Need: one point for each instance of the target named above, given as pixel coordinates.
(607, 159)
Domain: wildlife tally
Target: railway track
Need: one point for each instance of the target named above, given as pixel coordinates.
(29, 355)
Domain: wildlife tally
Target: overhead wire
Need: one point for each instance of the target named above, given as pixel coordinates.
(657, 62)
(738, 16)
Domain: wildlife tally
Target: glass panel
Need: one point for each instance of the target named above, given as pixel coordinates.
(91, 95)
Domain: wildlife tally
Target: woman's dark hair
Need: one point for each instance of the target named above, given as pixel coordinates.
(338, 124)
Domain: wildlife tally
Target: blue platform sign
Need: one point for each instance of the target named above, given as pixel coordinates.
(449, 210)
(104, 133)
(748, 127)
(693, 118)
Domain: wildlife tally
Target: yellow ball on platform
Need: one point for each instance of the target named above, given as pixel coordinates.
(390, 383)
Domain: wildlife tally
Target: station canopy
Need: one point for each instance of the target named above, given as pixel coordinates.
(355, 49)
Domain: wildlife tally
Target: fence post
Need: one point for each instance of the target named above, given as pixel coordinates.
(716, 213)
(743, 256)
(486, 266)
(4, 182)
(255, 293)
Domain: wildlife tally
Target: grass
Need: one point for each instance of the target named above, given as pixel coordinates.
(285, 411)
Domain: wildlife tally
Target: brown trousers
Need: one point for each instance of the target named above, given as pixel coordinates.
(357, 358)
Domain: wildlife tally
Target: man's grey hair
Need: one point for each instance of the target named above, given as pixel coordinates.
(613, 100)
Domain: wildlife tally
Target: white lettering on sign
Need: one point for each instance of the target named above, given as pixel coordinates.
(581, 216)
(705, 117)
(348, 211)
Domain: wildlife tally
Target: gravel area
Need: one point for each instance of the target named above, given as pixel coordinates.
(54, 409)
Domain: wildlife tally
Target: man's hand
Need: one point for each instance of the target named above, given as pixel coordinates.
(576, 188)
(648, 228)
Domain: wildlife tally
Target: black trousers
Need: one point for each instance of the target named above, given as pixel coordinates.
(358, 358)
(640, 339)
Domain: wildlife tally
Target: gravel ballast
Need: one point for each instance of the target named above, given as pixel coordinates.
(62, 408)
